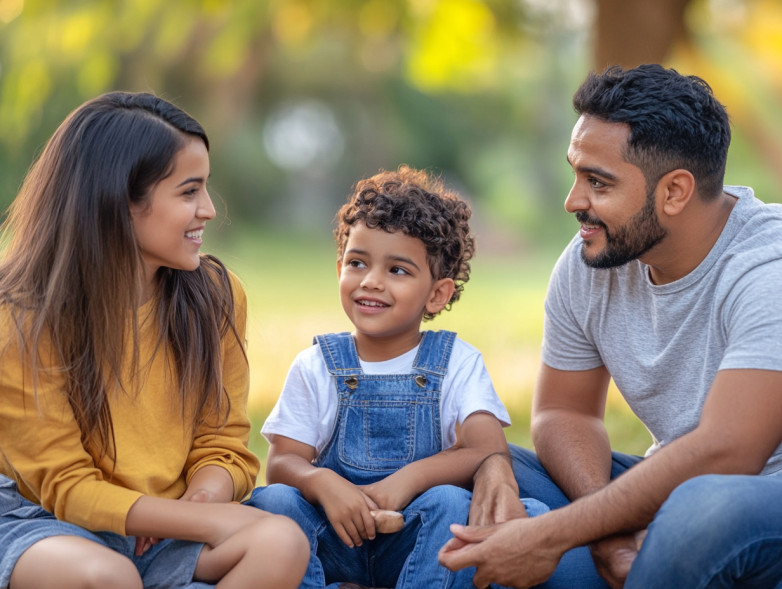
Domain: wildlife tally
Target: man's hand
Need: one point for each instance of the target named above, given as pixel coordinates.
(516, 553)
(613, 558)
(495, 494)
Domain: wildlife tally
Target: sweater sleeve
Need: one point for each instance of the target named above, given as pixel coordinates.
(227, 446)
(42, 450)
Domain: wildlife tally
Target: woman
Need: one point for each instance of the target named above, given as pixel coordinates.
(123, 379)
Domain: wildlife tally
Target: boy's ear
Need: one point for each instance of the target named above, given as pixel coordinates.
(339, 268)
(442, 291)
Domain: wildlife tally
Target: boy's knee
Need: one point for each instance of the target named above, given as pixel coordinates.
(444, 499)
(276, 498)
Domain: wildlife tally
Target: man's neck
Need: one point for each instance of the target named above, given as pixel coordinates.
(690, 239)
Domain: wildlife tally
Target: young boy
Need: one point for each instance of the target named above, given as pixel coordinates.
(387, 417)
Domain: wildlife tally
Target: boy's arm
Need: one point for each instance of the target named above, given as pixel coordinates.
(480, 436)
(347, 507)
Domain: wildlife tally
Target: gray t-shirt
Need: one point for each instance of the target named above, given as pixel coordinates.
(663, 344)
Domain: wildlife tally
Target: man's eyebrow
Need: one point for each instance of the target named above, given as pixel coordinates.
(592, 170)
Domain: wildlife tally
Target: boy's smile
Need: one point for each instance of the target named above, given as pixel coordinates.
(386, 285)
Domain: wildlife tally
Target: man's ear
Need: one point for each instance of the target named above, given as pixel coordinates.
(678, 187)
(442, 291)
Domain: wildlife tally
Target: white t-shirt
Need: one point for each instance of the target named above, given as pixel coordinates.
(307, 408)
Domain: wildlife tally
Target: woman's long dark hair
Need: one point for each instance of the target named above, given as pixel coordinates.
(71, 269)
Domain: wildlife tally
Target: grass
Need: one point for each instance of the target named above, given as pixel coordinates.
(292, 296)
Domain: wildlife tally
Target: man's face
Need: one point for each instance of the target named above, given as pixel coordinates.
(618, 216)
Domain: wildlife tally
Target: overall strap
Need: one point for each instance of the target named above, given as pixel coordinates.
(434, 352)
(339, 353)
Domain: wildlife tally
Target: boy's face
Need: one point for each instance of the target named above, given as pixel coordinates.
(385, 285)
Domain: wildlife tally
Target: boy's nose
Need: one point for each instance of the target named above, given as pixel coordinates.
(372, 282)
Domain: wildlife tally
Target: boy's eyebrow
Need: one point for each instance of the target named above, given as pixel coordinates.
(403, 259)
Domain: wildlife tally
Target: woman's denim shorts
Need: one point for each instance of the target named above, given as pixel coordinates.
(170, 563)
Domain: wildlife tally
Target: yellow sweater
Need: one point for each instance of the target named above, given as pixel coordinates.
(157, 450)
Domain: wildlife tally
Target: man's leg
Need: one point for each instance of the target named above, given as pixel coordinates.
(576, 569)
(714, 531)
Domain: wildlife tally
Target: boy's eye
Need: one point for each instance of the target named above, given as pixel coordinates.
(356, 263)
(398, 270)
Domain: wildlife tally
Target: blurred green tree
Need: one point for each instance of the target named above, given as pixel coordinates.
(302, 97)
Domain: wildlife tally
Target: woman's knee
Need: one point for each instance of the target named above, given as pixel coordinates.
(69, 561)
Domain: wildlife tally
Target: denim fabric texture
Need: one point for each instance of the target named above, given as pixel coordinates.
(714, 531)
(167, 565)
(576, 569)
(383, 423)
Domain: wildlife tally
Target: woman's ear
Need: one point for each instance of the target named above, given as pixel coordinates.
(678, 187)
(442, 291)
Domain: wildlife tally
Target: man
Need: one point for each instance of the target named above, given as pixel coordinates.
(671, 288)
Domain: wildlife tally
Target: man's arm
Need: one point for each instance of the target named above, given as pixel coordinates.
(572, 444)
(567, 428)
(740, 427)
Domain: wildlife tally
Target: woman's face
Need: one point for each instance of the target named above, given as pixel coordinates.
(169, 225)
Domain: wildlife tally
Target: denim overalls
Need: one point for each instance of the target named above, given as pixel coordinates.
(383, 423)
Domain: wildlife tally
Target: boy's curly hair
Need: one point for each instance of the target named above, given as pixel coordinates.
(418, 205)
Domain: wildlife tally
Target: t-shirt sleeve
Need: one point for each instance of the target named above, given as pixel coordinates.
(753, 320)
(566, 343)
(469, 389)
(299, 409)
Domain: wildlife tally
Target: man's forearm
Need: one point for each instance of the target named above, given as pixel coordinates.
(574, 450)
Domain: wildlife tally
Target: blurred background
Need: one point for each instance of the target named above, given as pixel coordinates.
(301, 98)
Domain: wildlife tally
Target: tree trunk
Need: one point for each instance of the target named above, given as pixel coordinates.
(632, 32)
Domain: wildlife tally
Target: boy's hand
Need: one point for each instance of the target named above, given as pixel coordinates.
(347, 508)
(394, 493)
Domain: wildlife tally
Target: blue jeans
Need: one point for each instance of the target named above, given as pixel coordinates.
(407, 558)
(576, 570)
(714, 531)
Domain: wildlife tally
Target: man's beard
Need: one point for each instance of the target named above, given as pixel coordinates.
(630, 241)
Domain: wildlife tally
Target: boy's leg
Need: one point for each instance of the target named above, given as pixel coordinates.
(408, 558)
(714, 531)
(288, 501)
